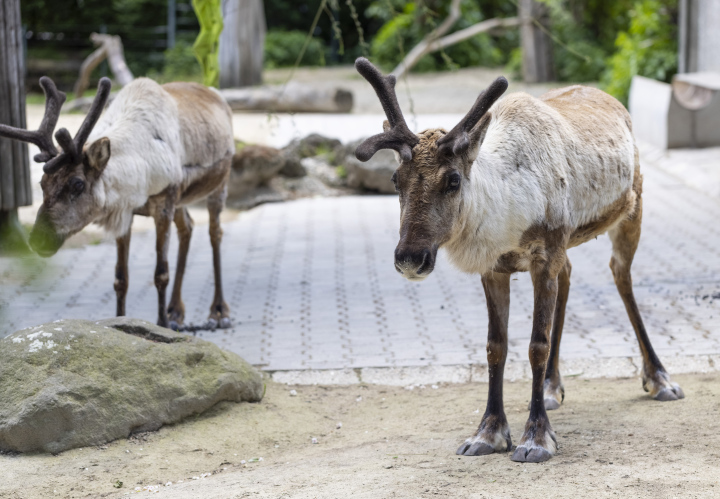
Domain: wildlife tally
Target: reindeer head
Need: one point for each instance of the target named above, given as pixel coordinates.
(67, 185)
(434, 168)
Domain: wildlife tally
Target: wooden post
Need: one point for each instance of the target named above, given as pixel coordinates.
(536, 44)
(242, 43)
(15, 183)
(171, 24)
(699, 37)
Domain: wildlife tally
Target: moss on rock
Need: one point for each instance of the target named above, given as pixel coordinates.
(75, 383)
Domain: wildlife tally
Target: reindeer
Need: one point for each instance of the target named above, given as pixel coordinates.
(155, 150)
(509, 189)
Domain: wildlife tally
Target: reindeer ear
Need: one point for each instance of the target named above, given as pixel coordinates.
(477, 135)
(98, 154)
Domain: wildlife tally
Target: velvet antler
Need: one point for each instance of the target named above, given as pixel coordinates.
(456, 141)
(73, 148)
(42, 137)
(399, 137)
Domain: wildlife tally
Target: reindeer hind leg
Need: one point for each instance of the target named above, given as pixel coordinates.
(554, 391)
(176, 307)
(625, 238)
(219, 310)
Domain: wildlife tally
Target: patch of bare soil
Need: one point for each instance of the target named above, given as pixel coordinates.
(394, 442)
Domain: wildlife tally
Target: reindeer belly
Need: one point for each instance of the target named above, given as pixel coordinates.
(614, 214)
(201, 181)
(532, 248)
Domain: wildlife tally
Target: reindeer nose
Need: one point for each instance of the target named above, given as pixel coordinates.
(414, 263)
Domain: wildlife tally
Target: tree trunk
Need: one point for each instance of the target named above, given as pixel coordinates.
(15, 184)
(536, 44)
(241, 43)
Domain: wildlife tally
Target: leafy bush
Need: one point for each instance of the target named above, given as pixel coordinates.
(282, 49)
(584, 35)
(648, 48)
(181, 63)
(407, 23)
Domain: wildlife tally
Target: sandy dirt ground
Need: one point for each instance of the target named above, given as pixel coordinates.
(395, 442)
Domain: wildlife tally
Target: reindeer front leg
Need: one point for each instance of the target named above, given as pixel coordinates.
(163, 214)
(121, 271)
(538, 442)
(493, 434)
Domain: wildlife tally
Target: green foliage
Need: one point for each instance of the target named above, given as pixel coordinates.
(180, 64)
(207, 44)
(648, 48)
(283, 47)
(584, 32)
(69, 23)
(514, 64)
(407, 23)
(297, 15)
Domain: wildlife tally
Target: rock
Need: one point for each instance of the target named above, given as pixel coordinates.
(253, 166)
(312, 145)
(293, 168)
(324, 171)
(375, 174)
(77, 383)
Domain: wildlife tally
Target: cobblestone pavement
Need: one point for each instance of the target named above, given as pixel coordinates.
(311, 286)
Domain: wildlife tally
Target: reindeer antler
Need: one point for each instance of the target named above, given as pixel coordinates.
(73, 148)
(456, 140)
(399, 137)
(42, 137)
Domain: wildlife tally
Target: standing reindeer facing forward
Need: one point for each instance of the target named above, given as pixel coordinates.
(156, 149)
(510, 190)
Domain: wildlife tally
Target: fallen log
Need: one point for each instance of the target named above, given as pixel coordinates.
(292, 98)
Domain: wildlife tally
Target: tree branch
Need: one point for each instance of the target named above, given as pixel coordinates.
(428, 45)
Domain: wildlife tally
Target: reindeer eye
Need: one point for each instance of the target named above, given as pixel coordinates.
(394, 181)
(453, 182)
(77, 186)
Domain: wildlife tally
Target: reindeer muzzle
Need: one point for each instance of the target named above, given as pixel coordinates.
(44, 239)
(414, 264)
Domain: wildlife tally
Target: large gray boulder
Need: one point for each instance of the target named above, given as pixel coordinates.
(373, 175)
(75, 383)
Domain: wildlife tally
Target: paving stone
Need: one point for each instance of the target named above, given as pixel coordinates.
(311, 286)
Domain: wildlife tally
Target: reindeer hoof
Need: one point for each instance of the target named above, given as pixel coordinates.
(493, 435)
(474, 449)
(661, 388)
(534, 455)
(225, 323)
(538, 443)
(174, 326)
(211, 324)
(672, 392)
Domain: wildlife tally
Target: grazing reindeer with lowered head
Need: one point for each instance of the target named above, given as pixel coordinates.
(156, 149)
(510, 189)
